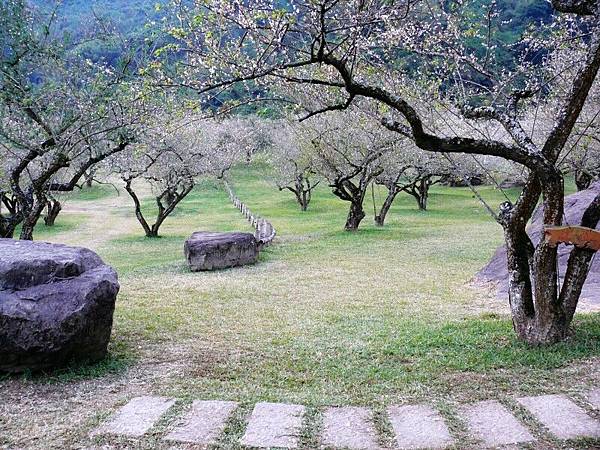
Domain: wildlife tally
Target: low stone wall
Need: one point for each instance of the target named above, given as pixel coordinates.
(265, 232)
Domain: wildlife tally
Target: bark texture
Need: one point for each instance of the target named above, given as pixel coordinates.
(577, 276)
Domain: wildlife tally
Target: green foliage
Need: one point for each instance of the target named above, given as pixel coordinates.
(513, 19)
(78, 18)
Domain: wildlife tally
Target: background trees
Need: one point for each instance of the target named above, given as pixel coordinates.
(292, 161)
(59, 114)
(415, 60)
(347, 153)
(174, 155)
(436, 75)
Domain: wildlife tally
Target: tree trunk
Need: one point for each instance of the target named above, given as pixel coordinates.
(89, 178)
(152, 232)
(539, 318)
(299, 197)
(355, 216)
(31, 220)
(7, 228)
(420, 191)
(53, 209)
(302, 192)
(583, 180)
(423, 190)
(305, 200)
(387, 204)
(10, 219)
(138, 208)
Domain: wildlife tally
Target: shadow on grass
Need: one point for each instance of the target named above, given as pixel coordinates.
(360, 363)
(118, 360)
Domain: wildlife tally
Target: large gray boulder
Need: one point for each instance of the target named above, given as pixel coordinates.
(56, 305)
(496, 270)
(206, 250)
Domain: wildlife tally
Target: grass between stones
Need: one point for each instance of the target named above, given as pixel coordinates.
(377, 317)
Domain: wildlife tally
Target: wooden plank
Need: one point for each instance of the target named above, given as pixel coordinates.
(578, 236)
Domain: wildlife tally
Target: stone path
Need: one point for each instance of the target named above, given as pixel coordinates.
(561, 416)
(418, 426)
(137, 417)
(204, 423)
(274, 425)
(494, 425)
(490, 423)
(349, 427)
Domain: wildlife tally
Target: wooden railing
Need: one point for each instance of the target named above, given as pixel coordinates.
(265, 232)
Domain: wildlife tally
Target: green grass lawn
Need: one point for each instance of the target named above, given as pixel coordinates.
(326, 317)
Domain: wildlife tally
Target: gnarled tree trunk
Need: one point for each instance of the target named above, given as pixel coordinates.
(347, 190)
(53, 208)
(302, 190)
(7, 228)
(393, 191)
(355, 216)
(9, 219)
(542, 314)
(420, 191)
(171, 196)
(31, 219)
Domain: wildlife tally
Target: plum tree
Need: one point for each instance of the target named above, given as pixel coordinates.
(411, 59)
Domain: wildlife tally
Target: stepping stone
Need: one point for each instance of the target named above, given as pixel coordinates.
(274, 425)
(204, 423)
(419, 426)
(561, 416)
(593, 397)
(136, 417)
(349, 427)
(493, 423)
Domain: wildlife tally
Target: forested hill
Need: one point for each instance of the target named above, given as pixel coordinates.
(134, 14)
(77, 15)
(130, 17)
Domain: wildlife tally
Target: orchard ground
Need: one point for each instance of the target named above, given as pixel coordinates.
(372, 318)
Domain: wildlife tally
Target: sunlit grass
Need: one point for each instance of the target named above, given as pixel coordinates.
(326, 316)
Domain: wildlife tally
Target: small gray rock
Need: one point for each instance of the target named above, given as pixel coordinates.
(209, 251)
(56, 305)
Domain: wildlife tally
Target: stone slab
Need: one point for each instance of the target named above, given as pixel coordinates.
(561, 416)
(204, 423)
(350, 428)
(419, 426)
(211, 251)
(136, 417)
(493, 423)
(274, 425)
